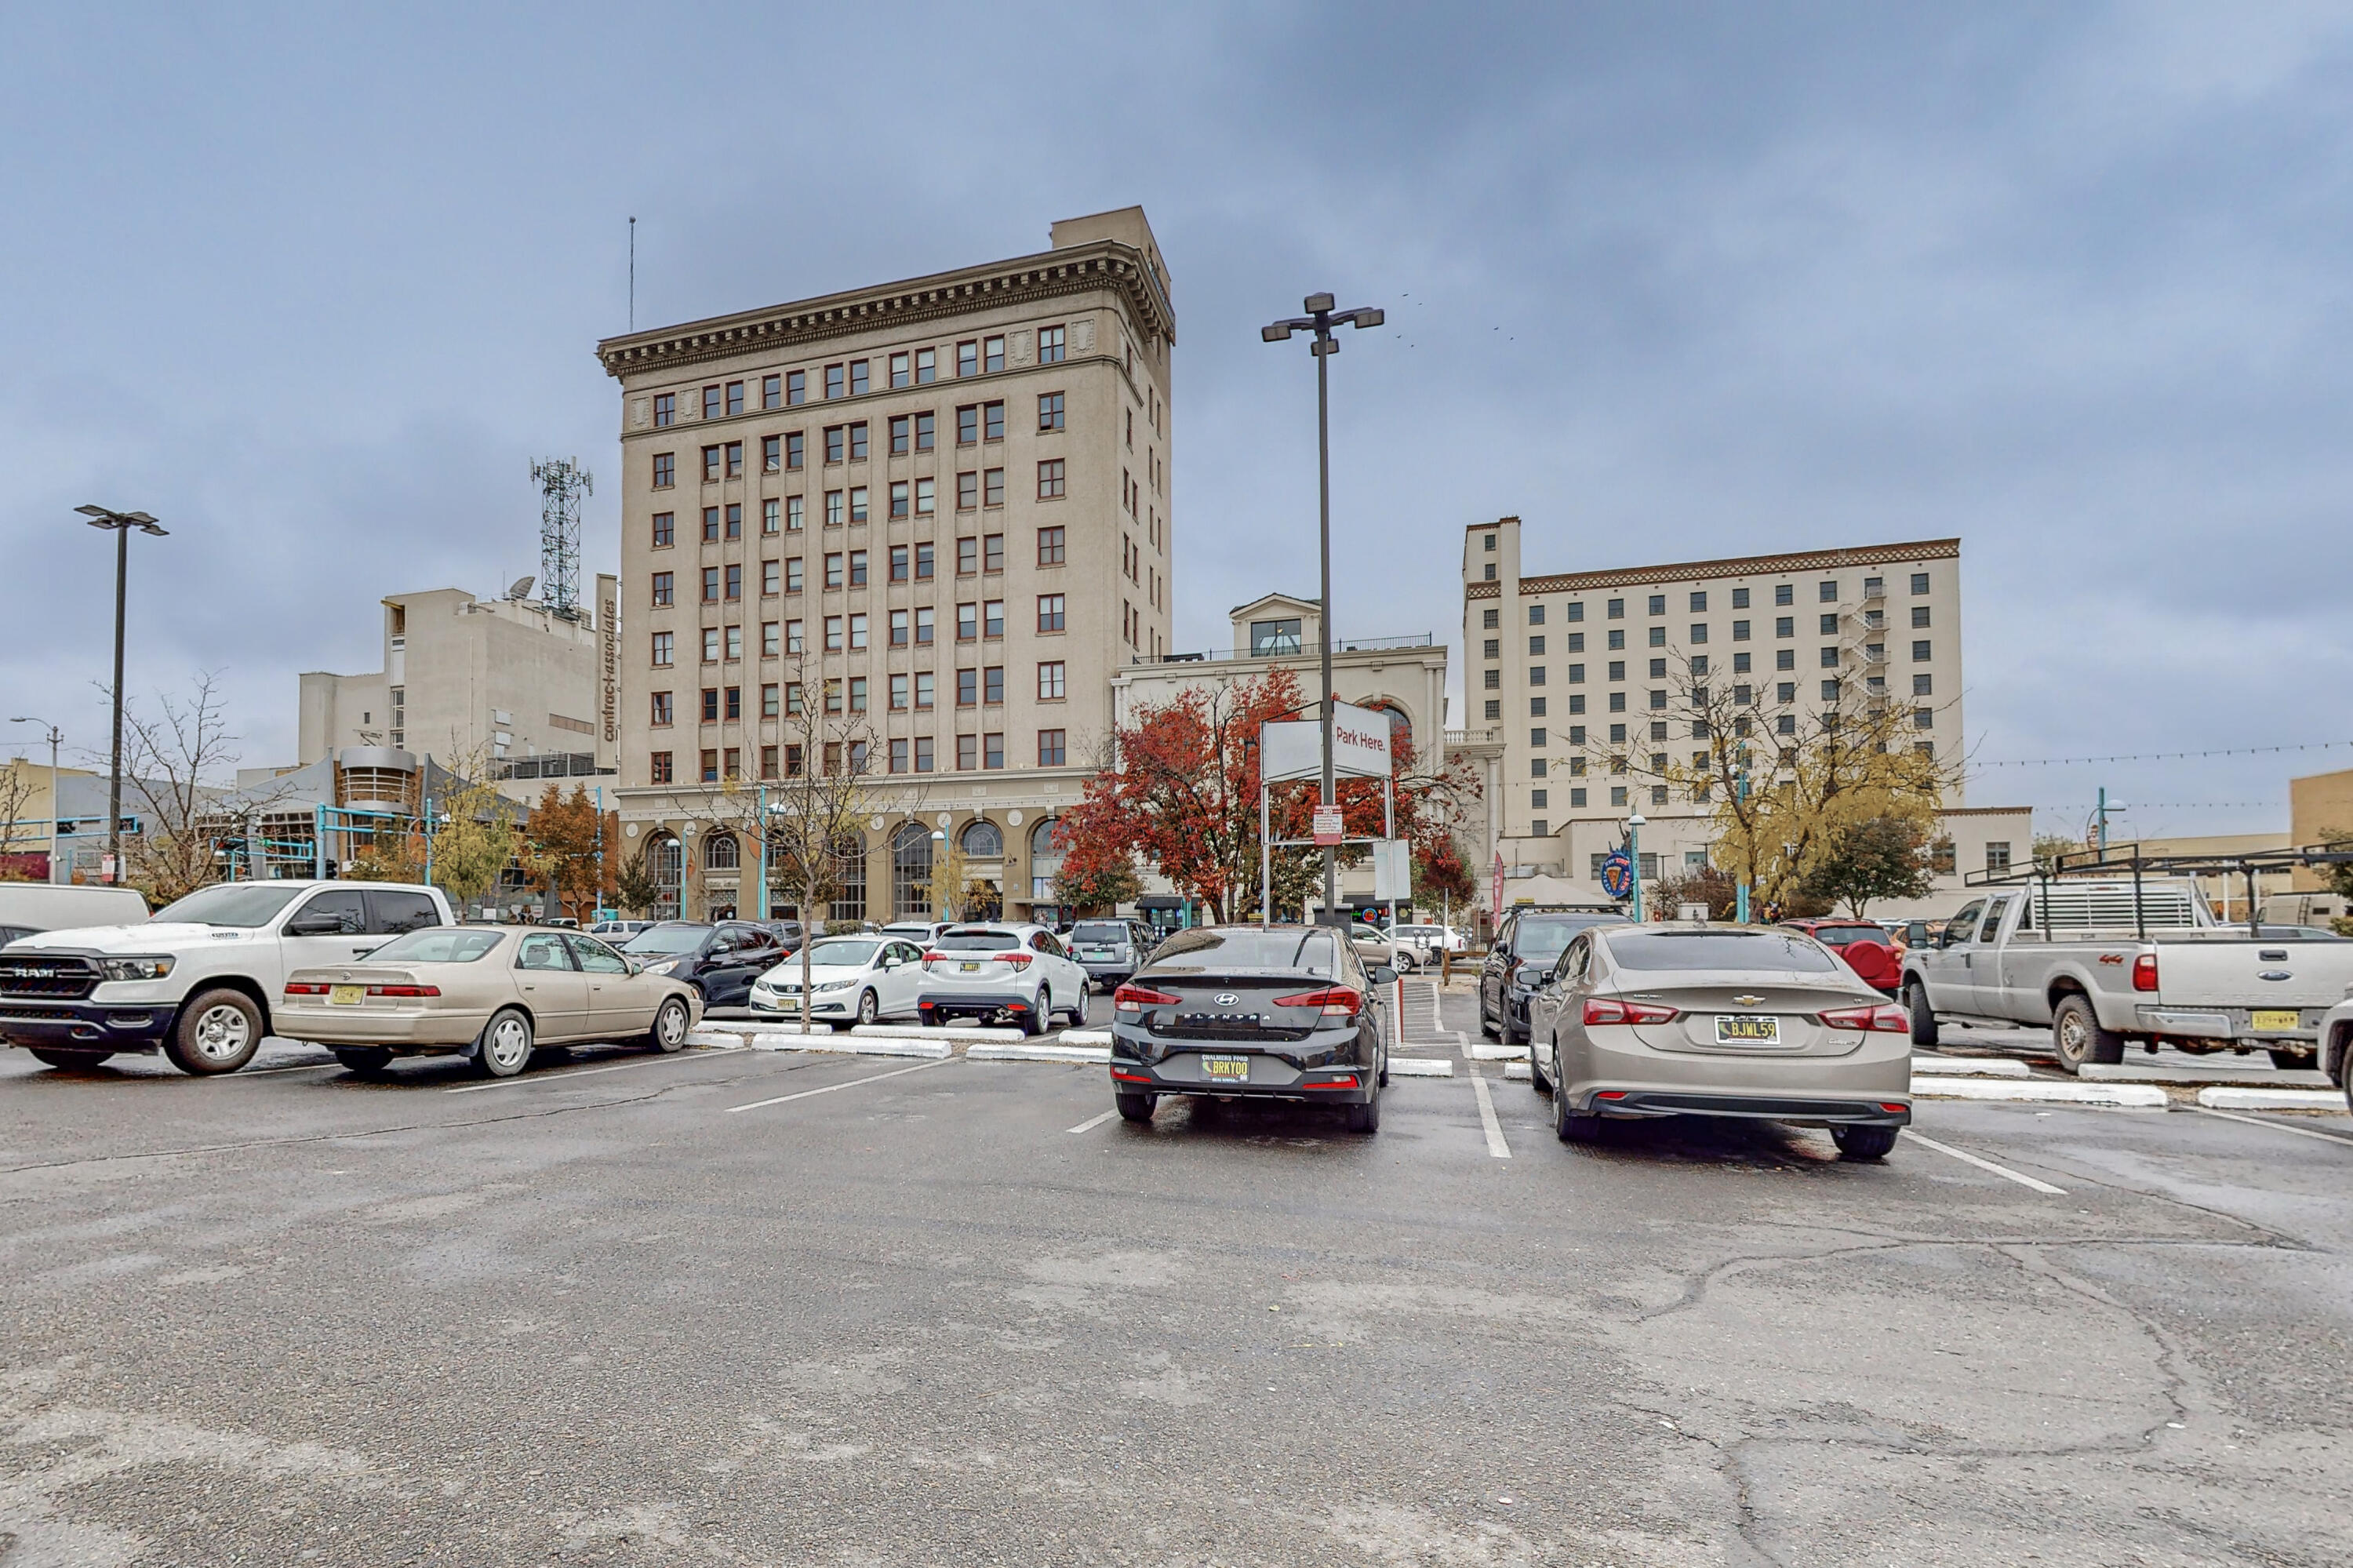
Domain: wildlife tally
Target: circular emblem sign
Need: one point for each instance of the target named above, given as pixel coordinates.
(1618, 874)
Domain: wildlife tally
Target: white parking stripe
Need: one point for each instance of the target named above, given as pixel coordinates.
(2275, 1126)
(1095, 1121)
(523, 1079)
(1495, 1144)
(850, 1083)
(2003, 1171)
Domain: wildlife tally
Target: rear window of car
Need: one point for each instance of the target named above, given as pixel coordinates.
(1720, 950)
(1310, 950)
(1545, 938)
(976, 941)
(1099, 931)
(438, 944)
(1840, 936)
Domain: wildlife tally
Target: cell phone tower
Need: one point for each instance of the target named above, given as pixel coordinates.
(562, 482)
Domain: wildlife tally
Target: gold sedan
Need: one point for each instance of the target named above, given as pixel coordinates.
(491, 993)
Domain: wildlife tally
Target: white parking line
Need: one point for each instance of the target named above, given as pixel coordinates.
(849, 1084)
(2275, 1126)
(2004, 1172)
(525, 1078)
(1495, 1144)
(1095, 1121)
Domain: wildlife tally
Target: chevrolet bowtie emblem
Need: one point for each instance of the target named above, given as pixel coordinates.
(1748, 1000)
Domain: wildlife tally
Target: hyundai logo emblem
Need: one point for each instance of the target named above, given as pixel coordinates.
(1226, 998)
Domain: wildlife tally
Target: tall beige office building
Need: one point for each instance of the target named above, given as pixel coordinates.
(1562, 669)
(950, 496)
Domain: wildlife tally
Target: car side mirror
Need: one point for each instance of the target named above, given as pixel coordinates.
(893, 963)
(1384, 975)
(315, 926)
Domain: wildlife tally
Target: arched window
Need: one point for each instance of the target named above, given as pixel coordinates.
(850, 878)
(1045, 860)
(983, 840)
(1400, 729)
(911, 870)
(722, 853)
(667, 858)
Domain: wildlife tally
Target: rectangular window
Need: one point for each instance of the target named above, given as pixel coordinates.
(1536, 738)
(796, 386)
(1658, 605)
(1050, 479)
(664, 644)
(923, 688)
(902, 434)
(967, 752)
(796, 577)
(665, 410)
(992, 487)
(858, 441)
(1050, 410)
(992, 553)
(858, 383)
(858, 504)
(1493, 681)
(1049, 547)
(1495, 709)
(1830, 660)
(709, 465)
(1919, 653)
(925, 760)
(1785, 593)
(833, 508)
(967, 491)
(992, 359)
(992, 685)
(1919, 582)
(711, 584)
(1536, 615)
(795, 450)
(710, 766)
(968, 357)
(968, 622)
(665, 469)
(735, 398)
(1536, 674)
(735, 643)
(1829, 592)
(735, 581)
(1049, 682)
(833, 634)
(837, 442)
(734, 459)
(1616, 638)
(1050, 612)
(968, 425)
(992, 618)
(735, 704)
(924, 551)
(900, 499)
(927, 431)
(770, 513)
(992, 751)
(795, 640)
(1830, 625)
(902, 371)
(793, 697)
(1920, 618)
(833, 570)
(1050, 346)
(927, 365)
(857, 633)
(967, 688)
(665, 530)
(926, 497)
(899, 563)
(899, 694)
(772, 391)
(1536, 647)
(925, 625)
(1921, 685)
(1054, 750)
(968, 555)
(663, 710)
(1658, 637)
(710, 402)
(663, 593)
(660, 772)
(1535, 707)
(900, 628)
(1740, 599)
(1830, 691)
(710, 524)
(1740, 631)
(1699, 629)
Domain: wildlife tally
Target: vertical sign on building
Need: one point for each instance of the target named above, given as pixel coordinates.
(608, 668)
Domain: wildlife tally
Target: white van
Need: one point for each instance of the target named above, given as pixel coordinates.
(26, 907)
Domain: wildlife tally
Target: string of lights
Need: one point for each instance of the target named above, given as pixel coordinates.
(2159, 755)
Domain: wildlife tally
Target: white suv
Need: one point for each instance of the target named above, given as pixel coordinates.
(979, 971)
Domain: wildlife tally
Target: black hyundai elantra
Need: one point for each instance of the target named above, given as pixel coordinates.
(1244, 1012)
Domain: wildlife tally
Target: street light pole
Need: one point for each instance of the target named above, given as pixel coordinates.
(1319, 320)
(55, 735)
(122, 523)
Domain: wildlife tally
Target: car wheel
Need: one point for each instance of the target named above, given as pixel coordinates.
(2293, 1061)
(365, 1061)
(1537, 1078)
(70, 1061)
(2078, 1037)
(870, 1008)
(1567, 1125)
(1033, 1022)
(1510, 1036)
(504, 1048)
(1924, 1017)
(1366, 1118)
(1135, 1106)
(1863, 1142)
(218, 1032)
(1486, 1024)
(671, 1023)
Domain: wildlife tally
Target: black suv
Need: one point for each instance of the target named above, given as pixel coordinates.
(1525, 950)
(721, 962)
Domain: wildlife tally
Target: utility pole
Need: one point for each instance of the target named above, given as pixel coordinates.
(2100, 818)
(55, 735)
(122, 523)
(1319, 319)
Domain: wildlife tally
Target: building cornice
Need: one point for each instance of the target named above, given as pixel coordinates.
(1027, 279)
(1734, 567)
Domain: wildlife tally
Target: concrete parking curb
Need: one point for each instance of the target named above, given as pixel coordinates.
(2122, 1097)
(1420, 1067)
(968, 1032)
(1967, 1067)
(2272, 1099)
(1519, 1072)
(1086, 1037)
(1481, 1050)
(827, 1042)
(2191, 1075)
(1096, 1055)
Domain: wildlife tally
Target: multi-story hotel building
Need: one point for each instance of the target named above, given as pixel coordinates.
(1561, 671)
(945, 499)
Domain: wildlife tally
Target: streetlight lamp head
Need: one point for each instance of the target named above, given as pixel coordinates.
(1370, 317)
(93, 511)
(1279, 333)
(1635, 820)
(1318, 302)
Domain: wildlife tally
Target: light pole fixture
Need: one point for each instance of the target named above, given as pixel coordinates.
(56, 811)
(122, 523)
(1319, 319)
(940, 837)
(1634, 860)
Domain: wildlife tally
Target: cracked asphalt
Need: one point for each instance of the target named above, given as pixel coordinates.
(950, 1315)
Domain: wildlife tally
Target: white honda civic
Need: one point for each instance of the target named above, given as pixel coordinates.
(851, 980)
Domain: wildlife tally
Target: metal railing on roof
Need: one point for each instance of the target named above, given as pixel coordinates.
(1286, 649)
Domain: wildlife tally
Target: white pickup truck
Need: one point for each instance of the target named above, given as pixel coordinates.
(2105, 964)
(197, 979)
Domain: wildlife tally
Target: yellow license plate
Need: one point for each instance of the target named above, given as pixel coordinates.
(2277, 1019)
(1234, 1069)
(968, 968)
(352, 995)
(1748, 1031)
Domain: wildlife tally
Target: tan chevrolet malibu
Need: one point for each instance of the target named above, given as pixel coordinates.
(493, 993)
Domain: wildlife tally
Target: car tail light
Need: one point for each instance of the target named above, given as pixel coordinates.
(1336, 1002)
(304, 987)
(1018, 957)
(1136, 998)
(1609, 1094)
(1603, 1010)
(1345, 1081)
(1892, 1109)
(2145, 972)
(403, 991)
(1887, 1019)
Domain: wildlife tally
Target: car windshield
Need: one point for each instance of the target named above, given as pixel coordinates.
(1098, 931)
(847, 954)
(1541, 941)
(242, 905)
(438, 944)
(1192, 952)
(668, 939)
(1840, 936)
(1720, 950)
(976, 941)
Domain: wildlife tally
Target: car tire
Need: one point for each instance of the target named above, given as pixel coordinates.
(672, 1022)
(1135, 1106)
(363, 1061)
(1510, 1037)
(1924, 1017)
(1537, 1080)
(1486, 1024)
(1567, 1125)
(1365, 1117)
(503, 1048)
(70, 1061)
(1863, 1142)
(2079, 1041)
(869, 1007)
(216, 1031)
(1034, 1020)
(2293, 1061)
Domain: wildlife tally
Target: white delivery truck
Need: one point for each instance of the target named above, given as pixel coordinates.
(198, 981)
(27, 907)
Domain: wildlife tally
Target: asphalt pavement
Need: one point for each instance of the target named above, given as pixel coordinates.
(757, 1307)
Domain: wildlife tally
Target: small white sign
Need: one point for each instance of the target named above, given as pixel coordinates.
(1393, 870)
(1327, 825)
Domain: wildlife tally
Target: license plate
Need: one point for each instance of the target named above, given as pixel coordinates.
(968, 968)
(1225, 1069)
(2277, 1019)
(1743, 1031)
(352, 995)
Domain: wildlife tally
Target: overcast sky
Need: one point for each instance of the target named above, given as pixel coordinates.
(2069, 281)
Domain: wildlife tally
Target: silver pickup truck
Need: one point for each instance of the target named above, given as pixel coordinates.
(2105, 964)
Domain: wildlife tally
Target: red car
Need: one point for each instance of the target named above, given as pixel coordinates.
(1864, 944)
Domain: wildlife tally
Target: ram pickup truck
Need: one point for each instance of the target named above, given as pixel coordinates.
(2077, 956)
(196, 981)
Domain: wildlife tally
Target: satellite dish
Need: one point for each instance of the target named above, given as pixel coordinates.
(522, 586)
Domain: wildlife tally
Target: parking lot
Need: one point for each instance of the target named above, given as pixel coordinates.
(777, 1307)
